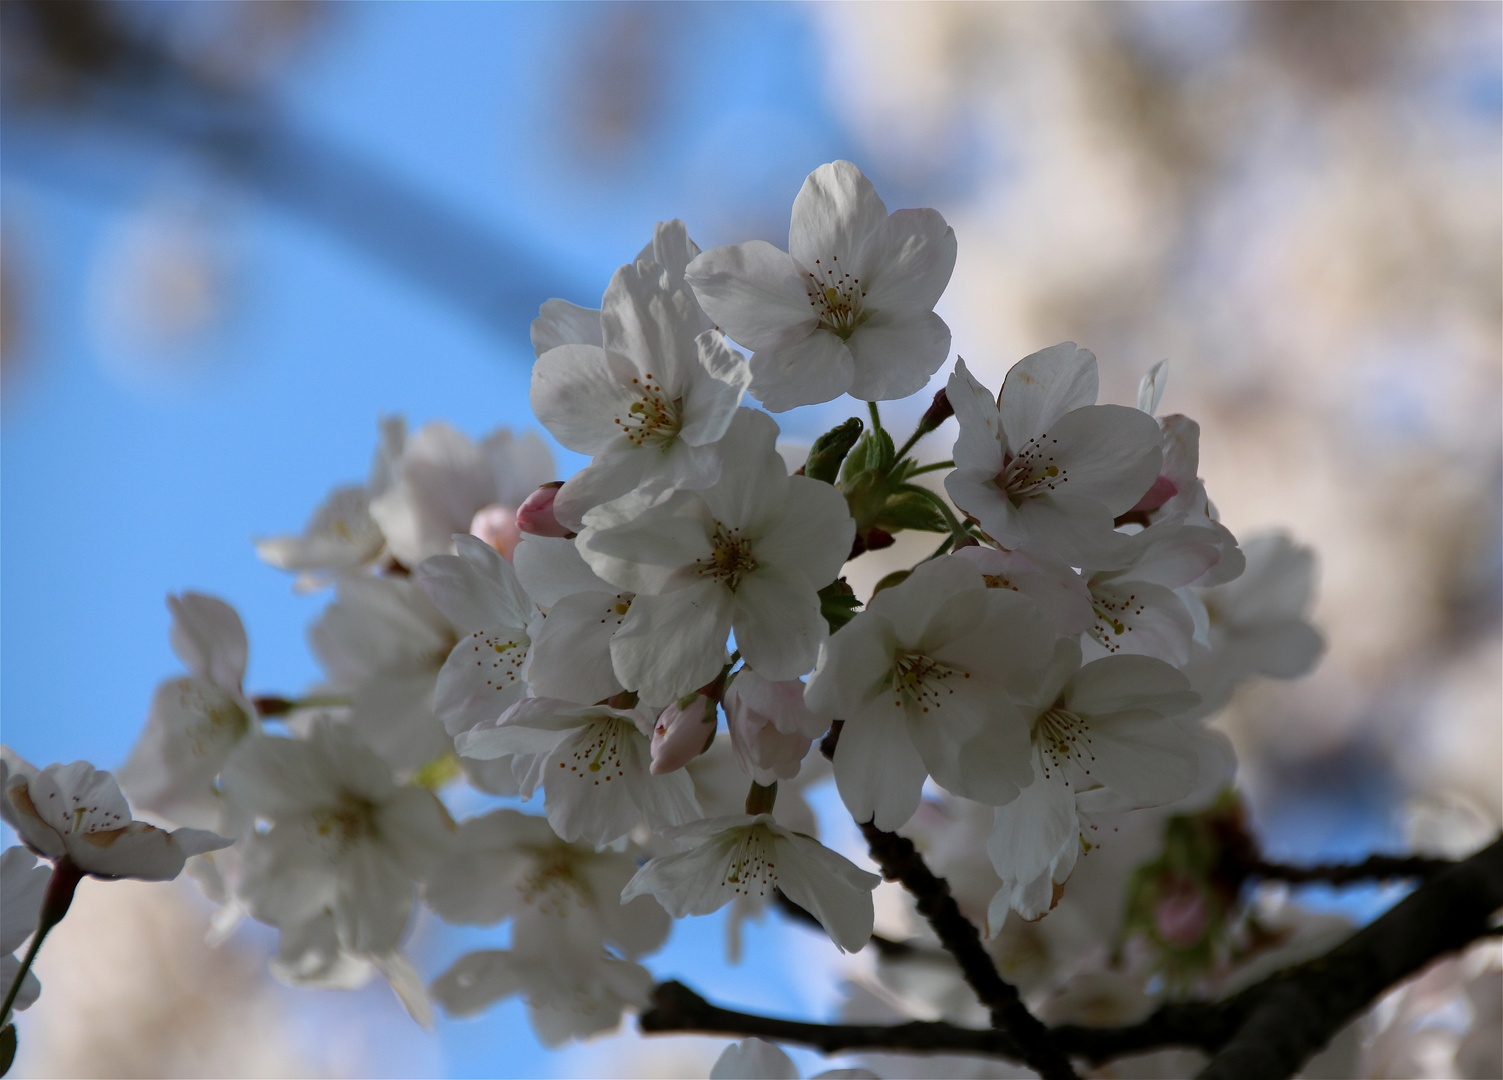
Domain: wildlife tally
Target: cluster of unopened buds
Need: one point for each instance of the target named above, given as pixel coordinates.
(1047, 667)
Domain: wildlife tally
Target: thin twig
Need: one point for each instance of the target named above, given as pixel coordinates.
(1373, 868)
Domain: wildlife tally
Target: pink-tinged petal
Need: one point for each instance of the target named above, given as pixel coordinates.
(813, 534)
(1045, 385)
(1146, 760)
(652, 325)
(778, 624)
(481, 679)
(895, 353)
(477, 588)
(878, 771)
(571, 655)
(1028, 832)
(918, 257)
(828, 886)
(713, 393)
(562, 323)
(838, 218)
(980, 446)
(1162, 491)
(681, 734)
(208, 638)
(519, 464)
(1108, 453)
(1136, 618)
(579, 392)
(674, 643)
(801, 368)
(535, 516)
(496, 526)
(754, 292)
(611, 474)
(1122, 683)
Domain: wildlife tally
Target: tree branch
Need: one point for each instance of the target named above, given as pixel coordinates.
(900, 861)
(1268, 1030)
(1373, 868)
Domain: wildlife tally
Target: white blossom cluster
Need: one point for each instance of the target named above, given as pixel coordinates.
(1052, 661)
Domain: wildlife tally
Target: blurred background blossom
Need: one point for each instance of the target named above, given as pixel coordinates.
(234, 234)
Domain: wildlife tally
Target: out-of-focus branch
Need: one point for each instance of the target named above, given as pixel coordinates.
(1373, 868)
(108, 79)
(1268, 1030)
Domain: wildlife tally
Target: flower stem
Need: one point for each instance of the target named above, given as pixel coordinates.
(876, 416)
(934, 467)
(55, 902)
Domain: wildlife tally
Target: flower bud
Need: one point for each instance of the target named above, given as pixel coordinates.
(1181, 917)
(497, 526)
(1162, 491)
(681, 734)
(535, 515)
(770, 726)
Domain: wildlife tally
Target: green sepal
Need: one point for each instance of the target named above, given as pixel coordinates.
(897, 577)
(838, 604)
(873, 453)
(830, 449)
(908, 510)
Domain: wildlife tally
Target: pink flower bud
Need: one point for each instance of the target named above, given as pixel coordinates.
(681, 733)
(497, 526)
(1181, 917)
(771, 728)
(535, 515)
(1162, 491)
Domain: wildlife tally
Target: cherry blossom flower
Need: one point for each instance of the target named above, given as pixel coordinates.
(747, 555)
(925, 679)
(195, 721)
(770, 726)
(1101, 737)
(344, 837)
(748, 856)
(1043, 468)
(442, 480)
(485, 673)
(76, 812)
(571, 650)
(649, 404)
(593, 763)
(848, 309)
(341, 537)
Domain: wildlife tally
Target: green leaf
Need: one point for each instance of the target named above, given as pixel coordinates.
(830, 449)
(838, 604)
(908, 510)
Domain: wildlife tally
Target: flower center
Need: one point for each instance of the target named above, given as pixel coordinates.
(504, 655)
(751, 869)
(1061, 737)
(553, 884)
(347, 822)
(919, 681)
(597, 756)
(653, 417)
(1032, 471)
(730, 558)
(835, 297)
(1112, 617)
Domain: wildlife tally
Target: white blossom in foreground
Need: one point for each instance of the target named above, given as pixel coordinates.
(746, 857)
(926, 680)
(345, 838)
(77, 812)
(383, 643)
(1103, 732)
(1045, 469)
(485, 673)
(22, 883)
(442, 481)
(593, 763)
(649, 404)
(341, 537)
(849, 308)
(195, 721)
(748, 555)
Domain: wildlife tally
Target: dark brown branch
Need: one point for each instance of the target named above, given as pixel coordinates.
(1373, 868)
(900, 861)
(1268, 1030)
